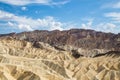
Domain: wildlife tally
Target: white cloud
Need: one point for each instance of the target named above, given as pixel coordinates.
(23, 8)
(50, 23)
(24, 23)
(106, 27)
(112, 4)
(5, 15)
(116, 5)
(10, 24)
(88, 24)
(25, 27)
(26, 2)
(115, 16)
(60, 3)
(102, 26)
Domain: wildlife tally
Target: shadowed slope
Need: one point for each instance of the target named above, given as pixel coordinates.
(20, 60)
(86, 42)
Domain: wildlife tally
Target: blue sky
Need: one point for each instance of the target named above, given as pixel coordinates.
(29, 15)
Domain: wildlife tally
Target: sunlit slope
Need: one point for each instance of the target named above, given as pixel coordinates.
(19, 60)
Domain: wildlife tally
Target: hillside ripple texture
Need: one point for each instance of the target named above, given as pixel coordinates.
(22, 59)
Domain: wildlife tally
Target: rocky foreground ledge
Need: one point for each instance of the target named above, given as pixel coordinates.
(54, 55)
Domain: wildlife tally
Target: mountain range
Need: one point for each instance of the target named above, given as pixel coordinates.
(75, 54)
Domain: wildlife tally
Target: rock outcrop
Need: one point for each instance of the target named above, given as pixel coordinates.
(86, 42)
(75, 54)
(23, 60)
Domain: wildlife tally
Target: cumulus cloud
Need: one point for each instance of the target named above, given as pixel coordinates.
(5, 15)
(102, 26)
(115, 16)
(26, 24)
(26, 2)
(25, 27)
(106, 27)
(51, 23)
(87, 24)
(22, 23)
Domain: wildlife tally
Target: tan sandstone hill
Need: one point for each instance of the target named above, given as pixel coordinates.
(22, 60)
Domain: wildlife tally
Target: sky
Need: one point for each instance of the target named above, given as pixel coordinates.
(28, 15)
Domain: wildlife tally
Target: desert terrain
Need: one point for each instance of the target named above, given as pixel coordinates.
(56, 55)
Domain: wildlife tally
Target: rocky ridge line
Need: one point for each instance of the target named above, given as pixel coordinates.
(88, 43)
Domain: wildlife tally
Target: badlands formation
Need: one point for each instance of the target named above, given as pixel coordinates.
(75, 54)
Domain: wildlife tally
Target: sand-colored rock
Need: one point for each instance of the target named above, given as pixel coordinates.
(20, 60)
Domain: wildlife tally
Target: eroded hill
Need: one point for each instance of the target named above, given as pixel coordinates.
(23, 60)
